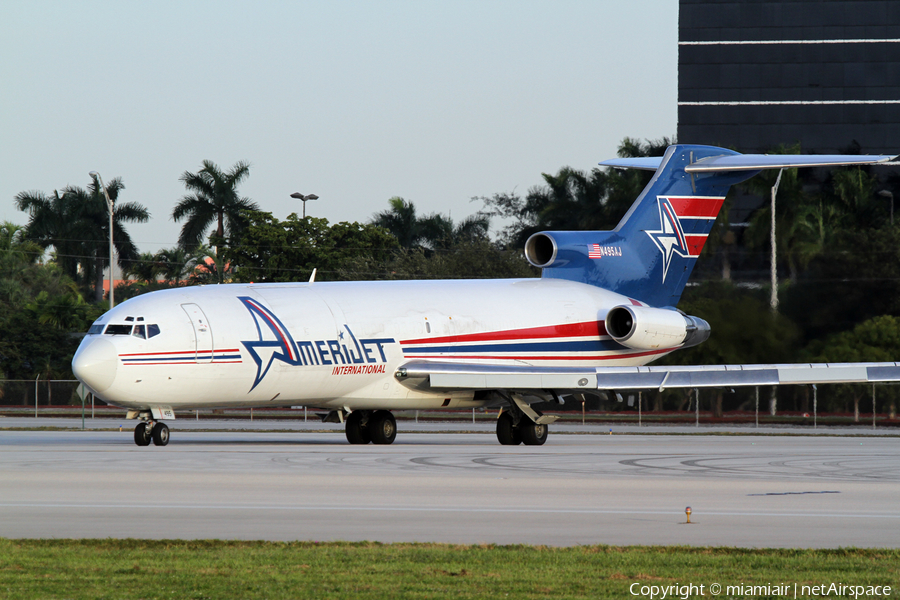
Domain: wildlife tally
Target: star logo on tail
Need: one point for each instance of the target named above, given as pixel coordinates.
(670, 238)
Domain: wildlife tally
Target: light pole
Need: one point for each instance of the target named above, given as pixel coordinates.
(300, 196)
(109, 205)
(773, 298)
(889, 194)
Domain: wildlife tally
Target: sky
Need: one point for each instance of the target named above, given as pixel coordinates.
(357, 102)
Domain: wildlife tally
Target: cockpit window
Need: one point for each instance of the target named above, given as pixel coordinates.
(118, 330)
(130, 327)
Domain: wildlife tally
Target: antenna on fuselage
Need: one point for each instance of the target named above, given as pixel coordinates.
(312, 278)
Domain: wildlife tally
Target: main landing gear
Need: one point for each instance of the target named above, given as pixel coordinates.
(521, 424)
(156, 431)
(526, 432)
(364, 426)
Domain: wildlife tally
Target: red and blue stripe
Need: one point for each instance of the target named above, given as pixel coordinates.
(587, 341)
(182, 357)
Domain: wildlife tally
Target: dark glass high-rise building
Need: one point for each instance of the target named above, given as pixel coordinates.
(756, 73)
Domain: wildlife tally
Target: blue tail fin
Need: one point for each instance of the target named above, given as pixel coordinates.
(651, 253)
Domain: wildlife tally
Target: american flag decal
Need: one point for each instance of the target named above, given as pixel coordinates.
(598, 251)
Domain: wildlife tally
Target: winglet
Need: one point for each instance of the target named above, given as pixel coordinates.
(312, 278)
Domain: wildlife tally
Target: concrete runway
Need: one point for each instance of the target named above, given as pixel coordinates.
(745, 491)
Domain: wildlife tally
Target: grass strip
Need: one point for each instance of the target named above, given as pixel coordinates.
(141, 569)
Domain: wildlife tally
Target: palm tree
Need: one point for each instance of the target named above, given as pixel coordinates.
(212, 198)
(401, 220)
(441, 233)
(144, 269)
(67, 311)
(17, 253)
(173, 264)
(573, 199)
(18, 258)
(206, 265)
(54, 221)
(431, 232)
(76, 224)
(855, 191)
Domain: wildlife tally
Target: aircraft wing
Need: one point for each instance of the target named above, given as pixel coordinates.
(453, 376)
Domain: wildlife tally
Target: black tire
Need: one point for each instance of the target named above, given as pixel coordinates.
(160, 434)
(507, 433)
(382, 427)
(357, 433)
(532, 433)
(141, 435)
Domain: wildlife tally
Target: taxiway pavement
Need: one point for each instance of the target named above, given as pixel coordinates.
(745, 491)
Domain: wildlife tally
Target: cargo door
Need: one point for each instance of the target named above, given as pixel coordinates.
(203, 338)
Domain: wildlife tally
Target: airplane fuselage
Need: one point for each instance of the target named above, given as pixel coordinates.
(363, 349)
(339, 345)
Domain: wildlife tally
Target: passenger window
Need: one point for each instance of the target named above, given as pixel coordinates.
(152, 330)
(139, 331)
(96, 329)
(118, 330)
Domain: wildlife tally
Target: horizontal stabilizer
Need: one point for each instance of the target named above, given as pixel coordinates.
(755, 162)
(648, 163)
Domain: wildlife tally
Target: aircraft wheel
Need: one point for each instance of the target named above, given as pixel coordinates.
(357, 433)
(382, 427)
(160, 434)
(507, 433)
(141, 435)
(532, 433)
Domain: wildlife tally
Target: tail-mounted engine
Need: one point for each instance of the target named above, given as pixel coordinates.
(646, 328)
(541, 250)
(549, 249)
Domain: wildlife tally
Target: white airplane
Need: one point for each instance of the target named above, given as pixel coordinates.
(603, 308)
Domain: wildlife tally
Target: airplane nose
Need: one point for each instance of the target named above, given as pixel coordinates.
(95, 364)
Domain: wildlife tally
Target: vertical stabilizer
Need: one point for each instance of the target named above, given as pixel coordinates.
(651, 253)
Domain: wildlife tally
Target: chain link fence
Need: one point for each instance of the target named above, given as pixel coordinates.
(50, 392)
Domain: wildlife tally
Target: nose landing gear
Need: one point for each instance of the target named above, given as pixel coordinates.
(142, 434)
(156, 431)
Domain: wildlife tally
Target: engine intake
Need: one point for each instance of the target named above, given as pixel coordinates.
(646, 328)
(541, 250)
